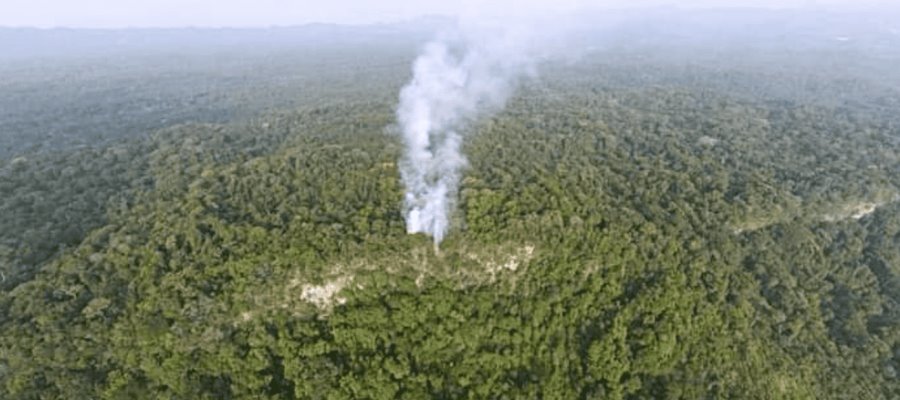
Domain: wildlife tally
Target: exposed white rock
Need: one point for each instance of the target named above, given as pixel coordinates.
(512, 262)
(707, 141)
(855, 211)
(324, 296)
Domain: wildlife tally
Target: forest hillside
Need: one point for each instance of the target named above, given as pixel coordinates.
(631, 225)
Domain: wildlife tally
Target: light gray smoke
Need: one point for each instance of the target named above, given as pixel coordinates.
(459, 77)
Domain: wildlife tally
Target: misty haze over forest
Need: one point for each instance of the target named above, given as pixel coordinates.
(728, 28)
(655, 201)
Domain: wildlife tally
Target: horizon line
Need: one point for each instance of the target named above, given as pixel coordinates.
(435, 16)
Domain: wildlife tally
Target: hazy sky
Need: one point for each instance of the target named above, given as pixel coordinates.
(168, 13)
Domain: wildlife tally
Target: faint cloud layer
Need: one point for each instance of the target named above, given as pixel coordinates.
(241, 13)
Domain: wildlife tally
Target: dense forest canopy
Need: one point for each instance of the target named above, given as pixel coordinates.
(643, 220)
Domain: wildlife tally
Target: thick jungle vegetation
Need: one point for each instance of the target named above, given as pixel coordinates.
(629, 226)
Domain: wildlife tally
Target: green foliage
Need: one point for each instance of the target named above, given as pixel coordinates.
(612, 241)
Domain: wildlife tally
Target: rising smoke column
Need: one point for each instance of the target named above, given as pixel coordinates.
(456, 79)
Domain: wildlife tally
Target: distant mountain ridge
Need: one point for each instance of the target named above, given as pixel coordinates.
(35, 42)
(663, 26)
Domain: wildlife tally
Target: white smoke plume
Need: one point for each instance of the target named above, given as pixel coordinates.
(461, 76)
